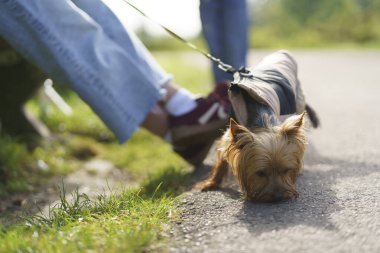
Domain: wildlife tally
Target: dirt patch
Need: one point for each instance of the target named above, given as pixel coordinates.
(95, 177)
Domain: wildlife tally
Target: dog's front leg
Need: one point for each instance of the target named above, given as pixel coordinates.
(215, 178)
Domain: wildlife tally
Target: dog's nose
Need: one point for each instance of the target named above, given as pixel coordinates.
(278, 196)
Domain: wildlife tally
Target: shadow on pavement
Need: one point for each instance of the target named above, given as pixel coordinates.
(317, 199)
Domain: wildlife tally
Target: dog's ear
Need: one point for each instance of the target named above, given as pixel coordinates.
(293, 125)
(239, 132)
(235, 128)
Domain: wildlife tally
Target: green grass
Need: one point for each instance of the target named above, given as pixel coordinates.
(134, 220)
(123, 222)
(14, 159)
(172, 181)
(267, 37)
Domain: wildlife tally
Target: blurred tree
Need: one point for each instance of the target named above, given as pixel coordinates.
(315, 22)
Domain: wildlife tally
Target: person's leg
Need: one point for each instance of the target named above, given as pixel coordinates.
(124, 38)
(235, 32)
(225, 28)
(121, 83)
(212, 28)
(71, 47)
(156, 120)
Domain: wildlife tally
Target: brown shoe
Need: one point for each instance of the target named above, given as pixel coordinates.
(205, 123)
(195, 153)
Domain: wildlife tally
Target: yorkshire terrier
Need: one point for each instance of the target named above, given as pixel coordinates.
(265, 149)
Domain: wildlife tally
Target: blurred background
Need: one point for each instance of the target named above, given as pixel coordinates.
(274, 23)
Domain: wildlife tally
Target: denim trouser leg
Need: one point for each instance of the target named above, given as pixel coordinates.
(83, 44)
(225, 27)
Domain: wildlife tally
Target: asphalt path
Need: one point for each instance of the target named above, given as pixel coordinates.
(338, 208)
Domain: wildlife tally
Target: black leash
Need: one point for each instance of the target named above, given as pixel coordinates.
(223, 66)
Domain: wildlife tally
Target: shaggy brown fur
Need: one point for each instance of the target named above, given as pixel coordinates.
(265, 161)
(265, 154)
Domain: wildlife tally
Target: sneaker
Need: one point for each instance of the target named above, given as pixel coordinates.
(205, 122)
(195, 153)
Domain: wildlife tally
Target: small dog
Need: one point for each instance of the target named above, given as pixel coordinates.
(265, 151)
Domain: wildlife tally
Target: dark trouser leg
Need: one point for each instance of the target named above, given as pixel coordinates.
(18, 81)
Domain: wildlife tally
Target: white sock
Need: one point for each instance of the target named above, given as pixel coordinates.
(180, 103)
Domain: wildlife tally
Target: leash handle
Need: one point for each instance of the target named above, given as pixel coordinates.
(221, 65)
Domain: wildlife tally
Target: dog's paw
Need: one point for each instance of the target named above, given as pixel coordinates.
(206, 186)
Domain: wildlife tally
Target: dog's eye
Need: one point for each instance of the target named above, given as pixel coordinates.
(260, 173)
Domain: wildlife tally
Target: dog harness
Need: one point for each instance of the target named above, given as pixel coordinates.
(272, 82)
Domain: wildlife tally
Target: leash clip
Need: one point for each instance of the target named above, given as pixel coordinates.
(226, 68)
(245, 72)
(221, 65)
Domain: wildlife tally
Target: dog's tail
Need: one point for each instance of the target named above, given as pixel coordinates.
(312, 116)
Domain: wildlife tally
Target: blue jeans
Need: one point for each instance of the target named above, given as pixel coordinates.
(225, 28)
(83, 44)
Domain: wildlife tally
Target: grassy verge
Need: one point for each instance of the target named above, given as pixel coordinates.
(125, 222)
(128, 221)
(13, 160)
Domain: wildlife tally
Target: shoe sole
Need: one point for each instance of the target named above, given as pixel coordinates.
(197, 160)
(187, 135)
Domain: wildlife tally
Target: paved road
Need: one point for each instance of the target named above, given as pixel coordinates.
(339, 205)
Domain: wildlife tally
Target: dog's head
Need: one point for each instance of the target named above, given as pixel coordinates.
(266, 162)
